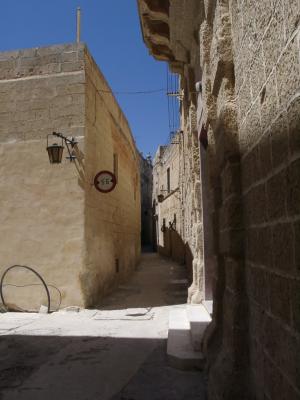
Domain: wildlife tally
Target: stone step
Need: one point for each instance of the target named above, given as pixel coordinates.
(180, 352)
(199, 318)
(208, 304)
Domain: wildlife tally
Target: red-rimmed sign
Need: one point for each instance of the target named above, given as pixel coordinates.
(105, 181)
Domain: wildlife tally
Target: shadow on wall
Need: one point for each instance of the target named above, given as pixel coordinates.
(175, 248)
(79, 164)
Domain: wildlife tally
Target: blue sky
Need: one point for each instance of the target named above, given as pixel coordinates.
(112, 32)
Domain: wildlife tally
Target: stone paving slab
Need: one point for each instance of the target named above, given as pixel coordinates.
(12, 321)
(71, 355)
(129, 314)
(155, 380)
(104, 323)
(70, 368)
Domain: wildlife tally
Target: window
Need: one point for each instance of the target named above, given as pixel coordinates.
(168, 180)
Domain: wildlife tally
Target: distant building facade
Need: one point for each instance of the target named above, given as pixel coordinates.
(147, 234)
(52, 217)
(238, 63)
(176, 176)
(167, 201)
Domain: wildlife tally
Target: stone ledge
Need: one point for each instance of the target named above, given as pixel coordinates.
(199, 319)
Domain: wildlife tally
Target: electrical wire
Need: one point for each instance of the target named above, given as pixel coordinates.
(35, 273)
(133, 92)
(168, 100)
(37, 284)
(172, 100)
(173, 103)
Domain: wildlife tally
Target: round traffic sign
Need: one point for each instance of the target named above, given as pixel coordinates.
(105, 181)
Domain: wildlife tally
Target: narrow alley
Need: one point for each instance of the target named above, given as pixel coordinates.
(150, 200)
(117, 351)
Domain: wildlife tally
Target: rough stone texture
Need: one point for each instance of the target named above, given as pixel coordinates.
(47, 211)
(249, 106)
(192, 233)
(272, 151)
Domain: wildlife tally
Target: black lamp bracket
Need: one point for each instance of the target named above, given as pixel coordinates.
(72, 142)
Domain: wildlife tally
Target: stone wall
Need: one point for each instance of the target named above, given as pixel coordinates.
(268, 98)
(248, 111)
(191, 207)
(112, 221)
(42, 205)
(44, 208)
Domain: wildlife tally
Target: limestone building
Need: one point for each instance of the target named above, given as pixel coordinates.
(147, 234)
(52, 217)
(167, 201)
(239, 66)
(179, 216)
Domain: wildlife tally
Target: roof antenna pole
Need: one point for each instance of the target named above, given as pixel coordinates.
(78, 24)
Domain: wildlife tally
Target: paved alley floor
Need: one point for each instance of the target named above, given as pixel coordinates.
(117, 351)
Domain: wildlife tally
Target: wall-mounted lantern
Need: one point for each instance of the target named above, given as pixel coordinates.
(55, 150)
(172, 225)
(198, 87)
(160, 198)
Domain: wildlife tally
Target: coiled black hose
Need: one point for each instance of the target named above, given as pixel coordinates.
(38, 275)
